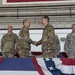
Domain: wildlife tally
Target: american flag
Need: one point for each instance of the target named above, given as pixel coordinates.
(37, 66)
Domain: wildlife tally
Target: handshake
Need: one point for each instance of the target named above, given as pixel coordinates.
(35, 43)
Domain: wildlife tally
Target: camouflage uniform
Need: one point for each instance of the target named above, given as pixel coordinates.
(69, 45)
(47, 41)
(8, 45)
(57, 44)
(24, 42)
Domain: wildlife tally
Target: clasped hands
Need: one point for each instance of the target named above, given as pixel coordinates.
(35, 43)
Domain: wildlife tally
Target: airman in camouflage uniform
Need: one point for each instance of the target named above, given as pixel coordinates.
(24, 40)
(57, 45)
(47, 41)
(8, 43)
(69, 45)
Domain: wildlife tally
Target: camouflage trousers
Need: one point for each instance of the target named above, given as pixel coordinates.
(7, 55)
(45, 54)
(23, 53)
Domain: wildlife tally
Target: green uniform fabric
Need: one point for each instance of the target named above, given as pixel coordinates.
(8, 44)
(24, 44)
(57, 45)
(47, 41)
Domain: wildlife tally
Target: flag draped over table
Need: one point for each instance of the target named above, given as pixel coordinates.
(37, 66)
(55, 66)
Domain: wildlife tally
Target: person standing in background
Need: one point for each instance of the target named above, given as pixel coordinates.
(47, 41)
(57, 45)
(24, 43)
(8, 43)
(69, 45)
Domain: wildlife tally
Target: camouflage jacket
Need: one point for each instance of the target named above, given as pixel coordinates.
(69, 45)
(24, 39)
(8, 42)
(47, 40)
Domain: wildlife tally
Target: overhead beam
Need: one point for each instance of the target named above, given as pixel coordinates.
(37, 6)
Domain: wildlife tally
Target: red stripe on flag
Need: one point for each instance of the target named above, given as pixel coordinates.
(30, 0)
(70, 61)
(37, 66)
(1, 59)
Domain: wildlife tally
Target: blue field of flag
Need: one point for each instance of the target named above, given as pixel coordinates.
(17, 64)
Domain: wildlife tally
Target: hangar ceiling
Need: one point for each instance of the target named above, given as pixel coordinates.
(57, 12)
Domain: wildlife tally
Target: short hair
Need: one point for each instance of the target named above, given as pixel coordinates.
(23, 21)
(10, 26)
(46, 17)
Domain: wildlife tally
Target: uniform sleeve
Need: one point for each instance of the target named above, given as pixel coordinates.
(39, 42)
(57, 44)
(21, 34)
(50, 40)
(27, 37)
(66, 45)
(17, 39)
(2, 43)
(16, 42)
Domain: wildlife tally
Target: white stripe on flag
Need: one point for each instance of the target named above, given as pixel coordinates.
(73, 69)
(19, 73)
(66, 69)
(43, 66)
(58, 63)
